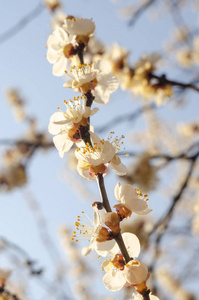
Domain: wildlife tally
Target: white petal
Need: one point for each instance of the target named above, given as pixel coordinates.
(95, 138)
(136, 273)
(114, 280)
(62, 143)
(119, 169)
(102, 65)
(79, 27)
(152, 297)
(128, 197)
(107, 266)
(85, 173)
(86, 250)
(60, 66)
(132, 244)
(117, 191)
(97, 220)
(128, 191)
(68, 84)
(51, 55)
(55, 128)
(107, 248)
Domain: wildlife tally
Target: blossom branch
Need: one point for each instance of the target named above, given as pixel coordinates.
(162, 80)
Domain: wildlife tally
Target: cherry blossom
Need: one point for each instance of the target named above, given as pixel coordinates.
(65, 125)
(60, 50)
(96, 78)
(131, 200)
(93, 160)
(118, 274)
(86, 229)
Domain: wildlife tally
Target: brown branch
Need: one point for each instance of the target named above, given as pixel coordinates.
(162, 80)
(163, 223)
(105, 201)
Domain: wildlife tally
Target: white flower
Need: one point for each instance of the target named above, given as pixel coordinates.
(65, 126)
(79, 26)
(132, 199)
(96, 78)
(94, 160)
(134, 273)
(88, 230)
(60, 49)
(118, 274)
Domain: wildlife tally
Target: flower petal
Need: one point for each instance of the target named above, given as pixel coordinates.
(119, 169)
(60, 66)
(114, 280)
(132, 244)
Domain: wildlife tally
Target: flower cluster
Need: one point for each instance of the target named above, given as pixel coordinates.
(140, 78)
(67, 41)
(94, 155)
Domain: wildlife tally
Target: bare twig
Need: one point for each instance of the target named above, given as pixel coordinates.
(162, 80)
(138, 13)
(163, 223)
(127, 117)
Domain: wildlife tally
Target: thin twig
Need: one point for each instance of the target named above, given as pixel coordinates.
(162, 80)
(127, 117)
(138, 13)
(163, 223)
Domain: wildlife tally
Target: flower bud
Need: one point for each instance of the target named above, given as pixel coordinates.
(99, 205)
(137, 274)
